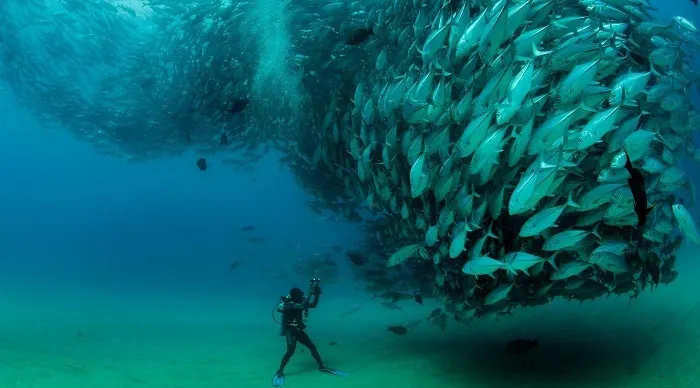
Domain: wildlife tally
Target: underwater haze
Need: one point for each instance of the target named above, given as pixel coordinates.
(135, 268)
(82, 221)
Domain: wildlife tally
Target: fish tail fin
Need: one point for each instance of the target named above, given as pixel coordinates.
(490, 233)
(552, 262)
(474, 193)
(503, 105)
(660, 138)
(509, 268)
(650, 208)
(586, 108)
(537, 53)
(560, 158)
(569, 164)
(642, 108)
(562, 163)
(633, 42)
(546, 166)
(595, 231)
(570, 200)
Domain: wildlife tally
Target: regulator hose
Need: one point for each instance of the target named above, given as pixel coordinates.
(274, 318)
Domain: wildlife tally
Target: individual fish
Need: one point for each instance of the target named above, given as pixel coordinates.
(359, 36)
(431, 235)
(498, 294)
(572, 268)
(356, 258)
(398, 329)
(390, 295)
(545, 219)
(235, 264)
(483, 265)
(611, 262)
(568, 240)
(357, 307)
(434, 314)
(459, 236)
(418, 298)
(202, 164)
(403, 254)
(618, 247)
(685, 23)
(522, 261)
(247, 228)
(238, 106)
(521, 346)
(418, 177)
(686, 223)
(391, 306)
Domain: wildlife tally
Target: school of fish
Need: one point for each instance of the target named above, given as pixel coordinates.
(498, 153)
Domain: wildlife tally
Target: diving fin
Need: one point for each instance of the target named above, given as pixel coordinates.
(335, 372)
(278, 380)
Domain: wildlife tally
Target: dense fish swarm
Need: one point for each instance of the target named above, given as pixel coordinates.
(509, 151)
(519, 151)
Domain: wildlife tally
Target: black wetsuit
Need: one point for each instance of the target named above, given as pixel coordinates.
(293, 329)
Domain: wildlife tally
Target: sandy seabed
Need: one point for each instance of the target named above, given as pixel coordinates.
(75, 341)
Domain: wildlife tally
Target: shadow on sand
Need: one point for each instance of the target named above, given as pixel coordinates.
(579, 355)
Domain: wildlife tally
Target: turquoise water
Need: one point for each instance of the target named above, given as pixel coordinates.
(115, 275)
(54, 339)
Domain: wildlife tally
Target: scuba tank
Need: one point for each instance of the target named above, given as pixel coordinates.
(284, 300)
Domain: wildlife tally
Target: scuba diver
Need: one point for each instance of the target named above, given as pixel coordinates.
(294, 307)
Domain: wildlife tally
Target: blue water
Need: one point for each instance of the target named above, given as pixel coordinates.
(73, 219)
(116, 274)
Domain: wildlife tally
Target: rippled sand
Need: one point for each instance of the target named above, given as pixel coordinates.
(66, 341)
